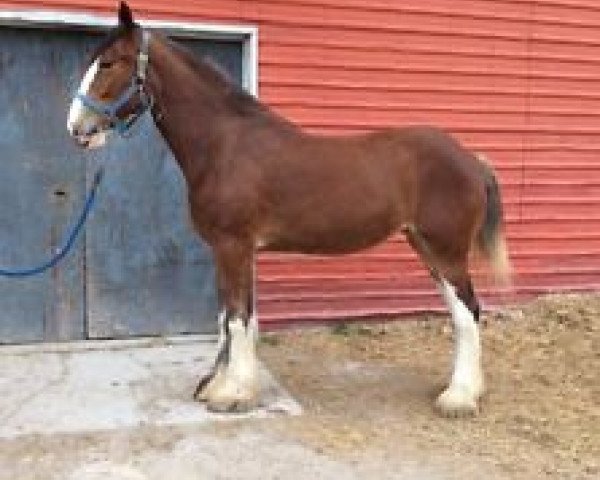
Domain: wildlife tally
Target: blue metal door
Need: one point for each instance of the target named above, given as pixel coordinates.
(140, 269)
(148, 273)
(42, 186)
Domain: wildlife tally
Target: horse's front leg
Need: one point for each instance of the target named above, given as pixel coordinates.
(206, 383)
(232, 386)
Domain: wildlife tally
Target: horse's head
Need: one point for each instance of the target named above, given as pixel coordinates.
(111, 95)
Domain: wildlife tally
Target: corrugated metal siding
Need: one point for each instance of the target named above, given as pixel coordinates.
(515, 79)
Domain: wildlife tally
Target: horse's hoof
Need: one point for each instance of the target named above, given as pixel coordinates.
(228, 397)
(457, 402)
(231, 405)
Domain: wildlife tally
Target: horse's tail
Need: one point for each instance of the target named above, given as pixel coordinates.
(490, 239)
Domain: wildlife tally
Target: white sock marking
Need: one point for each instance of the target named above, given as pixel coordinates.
(221, 321)
(238, 379)
(242, 351)
(467, 356)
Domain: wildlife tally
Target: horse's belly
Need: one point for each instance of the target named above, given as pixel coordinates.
(325, 234)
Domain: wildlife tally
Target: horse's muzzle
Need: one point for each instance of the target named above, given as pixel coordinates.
(90, 141)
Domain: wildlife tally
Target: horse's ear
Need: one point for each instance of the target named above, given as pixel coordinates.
(125, 15)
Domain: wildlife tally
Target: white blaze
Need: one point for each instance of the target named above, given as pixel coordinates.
(78, 112)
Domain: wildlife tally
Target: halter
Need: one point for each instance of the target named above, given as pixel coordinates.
(136, 86)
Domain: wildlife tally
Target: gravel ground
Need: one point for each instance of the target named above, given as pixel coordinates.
(367, 390)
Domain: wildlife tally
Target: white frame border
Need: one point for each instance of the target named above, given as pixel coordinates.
(51, 19)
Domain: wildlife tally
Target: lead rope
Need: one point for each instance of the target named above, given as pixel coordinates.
(68, 245)
(122, 127)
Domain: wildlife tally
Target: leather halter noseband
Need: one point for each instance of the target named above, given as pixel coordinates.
(110, 110)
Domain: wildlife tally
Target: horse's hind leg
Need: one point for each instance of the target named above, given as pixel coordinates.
(451, 276)
(466, 383)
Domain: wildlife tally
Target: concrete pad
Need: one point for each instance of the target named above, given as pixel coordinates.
(245, 456)
(92, 386)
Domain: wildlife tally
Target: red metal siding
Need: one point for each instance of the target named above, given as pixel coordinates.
(514, 79)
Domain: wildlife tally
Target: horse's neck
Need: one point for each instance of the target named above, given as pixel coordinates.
(194, 117)
(187, 114)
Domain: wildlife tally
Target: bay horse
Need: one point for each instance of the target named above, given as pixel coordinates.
(256, 182)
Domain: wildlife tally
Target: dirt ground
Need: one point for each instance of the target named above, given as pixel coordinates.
(369, 388)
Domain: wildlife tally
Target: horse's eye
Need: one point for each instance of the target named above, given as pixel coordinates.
(106, 64)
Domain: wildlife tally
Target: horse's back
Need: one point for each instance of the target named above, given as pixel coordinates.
(350, 192)
(427, 168)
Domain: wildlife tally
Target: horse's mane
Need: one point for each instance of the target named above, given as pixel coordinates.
(212, 73)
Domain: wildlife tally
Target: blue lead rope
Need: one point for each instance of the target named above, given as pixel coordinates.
(68, 245)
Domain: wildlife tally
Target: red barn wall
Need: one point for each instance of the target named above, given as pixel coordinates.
(517, 80)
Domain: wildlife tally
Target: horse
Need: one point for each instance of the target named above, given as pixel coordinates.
(257, 182)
